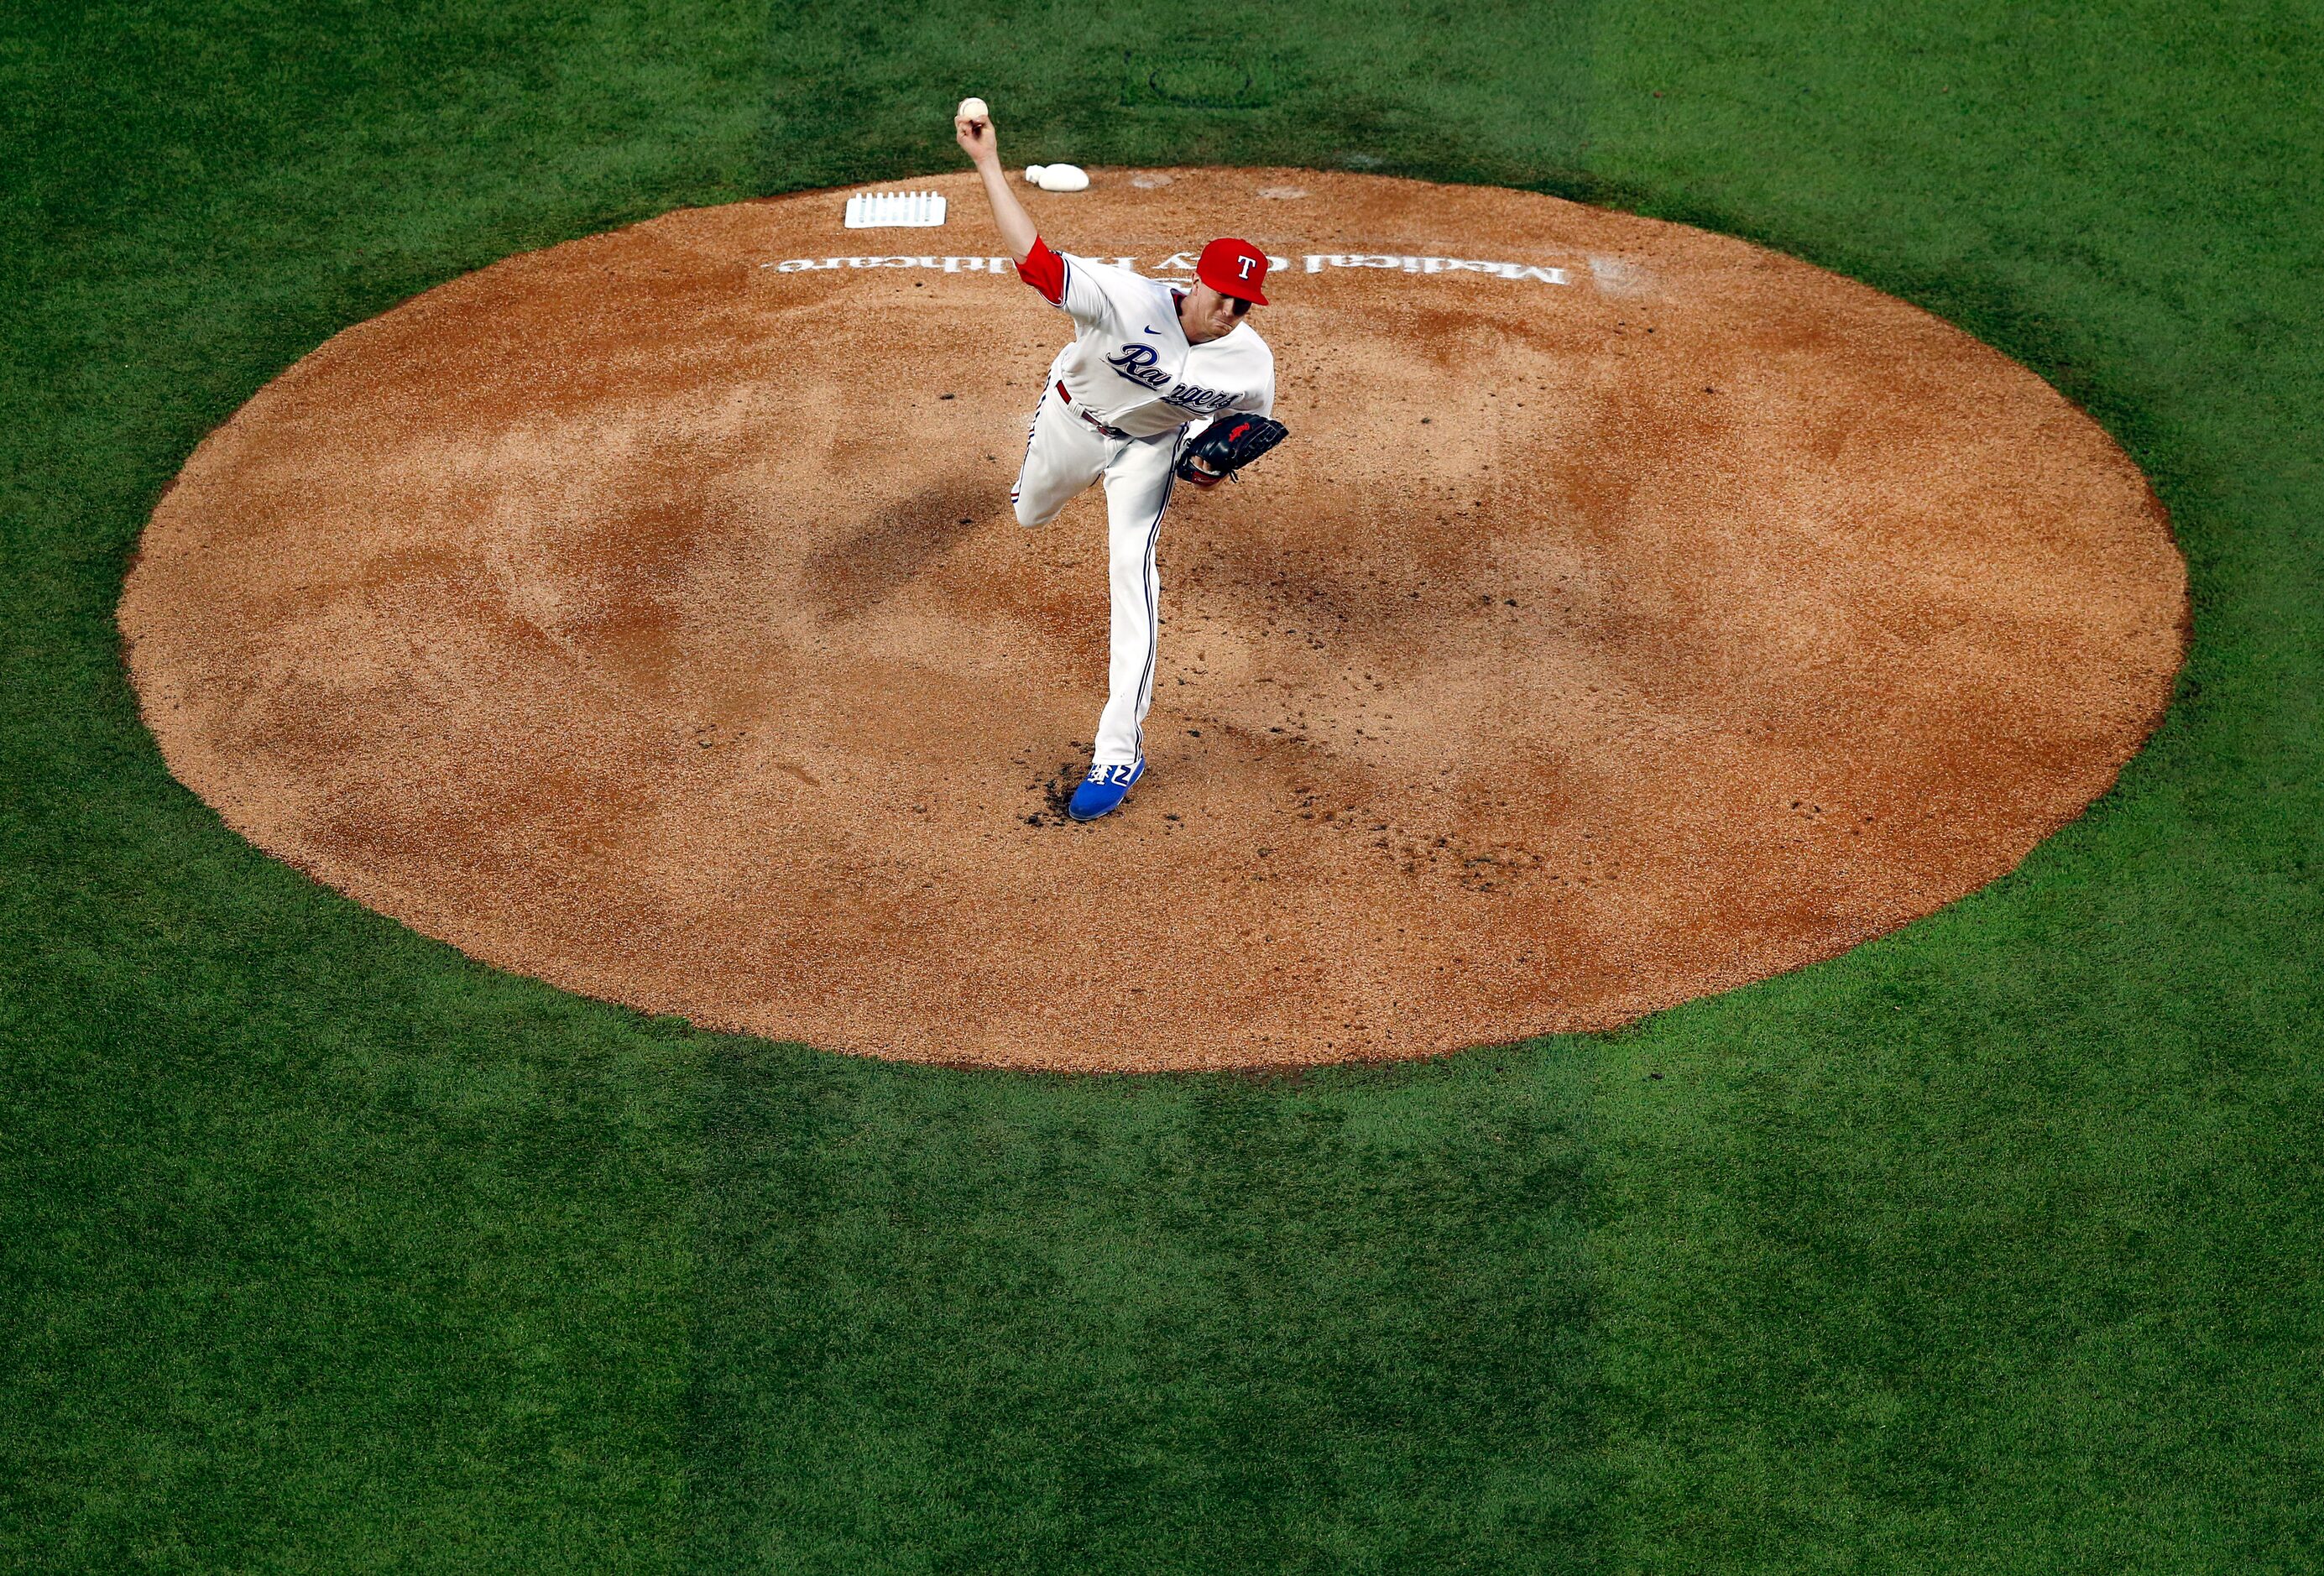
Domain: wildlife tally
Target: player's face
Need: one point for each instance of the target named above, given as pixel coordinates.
(1209, 314)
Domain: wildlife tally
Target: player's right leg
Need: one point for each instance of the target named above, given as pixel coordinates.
(1063, 454)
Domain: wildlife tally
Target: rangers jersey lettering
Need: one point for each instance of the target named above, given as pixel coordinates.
(1129, 364)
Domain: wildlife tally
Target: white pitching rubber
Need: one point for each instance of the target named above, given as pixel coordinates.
(879, 210)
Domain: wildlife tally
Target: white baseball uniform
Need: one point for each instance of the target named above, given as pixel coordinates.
(1117, 404)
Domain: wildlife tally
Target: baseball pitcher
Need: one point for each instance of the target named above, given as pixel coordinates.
(1118, 405)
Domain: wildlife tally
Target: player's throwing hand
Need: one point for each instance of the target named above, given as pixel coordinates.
(972, 127)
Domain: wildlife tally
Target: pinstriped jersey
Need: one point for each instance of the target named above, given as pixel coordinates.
(1129, 364)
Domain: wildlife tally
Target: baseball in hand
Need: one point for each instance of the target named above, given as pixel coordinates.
(973, 109)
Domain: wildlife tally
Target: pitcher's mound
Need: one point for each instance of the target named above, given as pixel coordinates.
(1631, 615)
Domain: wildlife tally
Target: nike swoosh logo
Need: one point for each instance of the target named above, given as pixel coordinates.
(1154, 331)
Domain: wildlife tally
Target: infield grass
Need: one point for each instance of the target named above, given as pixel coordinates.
(1993, 1245)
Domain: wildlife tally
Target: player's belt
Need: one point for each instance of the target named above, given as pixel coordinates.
(1094, 421)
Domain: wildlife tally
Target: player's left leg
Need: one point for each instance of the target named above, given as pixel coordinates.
(1138, 478)
(1138, 481)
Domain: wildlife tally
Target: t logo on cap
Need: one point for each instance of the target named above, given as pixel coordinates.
(1233, 268)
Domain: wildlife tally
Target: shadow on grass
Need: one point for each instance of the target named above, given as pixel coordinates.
(980, 1321)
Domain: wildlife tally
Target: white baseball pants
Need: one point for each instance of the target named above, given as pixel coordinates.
(1063, 454)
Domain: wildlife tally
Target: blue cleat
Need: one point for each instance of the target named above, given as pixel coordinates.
(1103, 790)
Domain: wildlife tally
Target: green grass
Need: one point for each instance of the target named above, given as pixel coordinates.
(1997, 1245)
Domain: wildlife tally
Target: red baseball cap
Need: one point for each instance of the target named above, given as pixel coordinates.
(1233, 268)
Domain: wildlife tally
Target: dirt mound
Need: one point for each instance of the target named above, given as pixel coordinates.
(1632, 613)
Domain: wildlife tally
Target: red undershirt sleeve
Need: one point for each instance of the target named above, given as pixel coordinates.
(1044, 271)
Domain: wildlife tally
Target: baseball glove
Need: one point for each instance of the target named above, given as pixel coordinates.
(1226, 445)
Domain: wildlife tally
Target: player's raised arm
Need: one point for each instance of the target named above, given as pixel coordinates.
(972, 125)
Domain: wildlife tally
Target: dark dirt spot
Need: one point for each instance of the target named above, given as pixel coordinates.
(894, 548)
